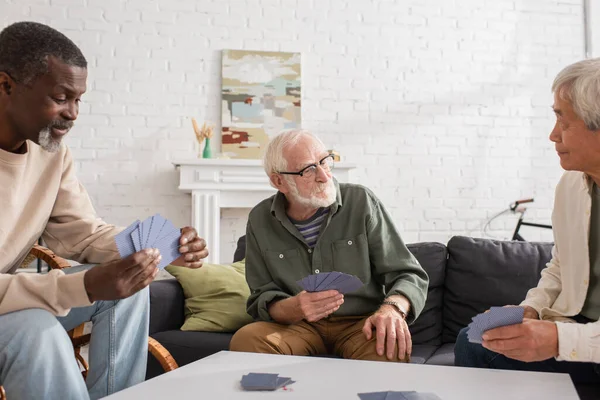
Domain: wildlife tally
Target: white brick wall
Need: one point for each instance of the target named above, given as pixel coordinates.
(444, 106)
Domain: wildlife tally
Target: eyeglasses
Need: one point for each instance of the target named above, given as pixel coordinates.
(308, 172)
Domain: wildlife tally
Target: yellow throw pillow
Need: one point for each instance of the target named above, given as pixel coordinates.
(215, 296)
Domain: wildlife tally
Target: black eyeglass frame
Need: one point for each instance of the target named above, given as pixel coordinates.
(303, 170)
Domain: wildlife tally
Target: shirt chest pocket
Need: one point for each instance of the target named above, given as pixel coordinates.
(351, 256)
(284, 264)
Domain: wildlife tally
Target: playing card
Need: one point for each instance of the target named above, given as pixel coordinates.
(144, 231)
(345, 284)
(137, 241)
(169, 248)
(373, 396)
(313, 282)
(168, 229)
(494, 318)
(319, 279)
(261, 381)
(157, 225)
(350, 285)
(283, 381)
(303, 283)
(327, 279)
(124, 241)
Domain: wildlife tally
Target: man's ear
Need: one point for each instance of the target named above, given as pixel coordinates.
(277, 182)
(6, 84)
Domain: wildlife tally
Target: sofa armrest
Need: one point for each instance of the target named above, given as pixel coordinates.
(166, 306)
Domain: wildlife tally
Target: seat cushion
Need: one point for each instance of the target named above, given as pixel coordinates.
(427, 329)
(481, 273)
(187, 347)
(443, 355)
(421, 353)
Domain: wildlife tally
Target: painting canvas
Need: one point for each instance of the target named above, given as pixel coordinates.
(260, 98)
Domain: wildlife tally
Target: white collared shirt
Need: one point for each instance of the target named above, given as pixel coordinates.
(563, 287)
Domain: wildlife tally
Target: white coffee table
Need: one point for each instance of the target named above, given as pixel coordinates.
(218, 376)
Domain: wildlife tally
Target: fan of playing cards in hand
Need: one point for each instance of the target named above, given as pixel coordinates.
(339, 281)
(154, 232)
(494, 318)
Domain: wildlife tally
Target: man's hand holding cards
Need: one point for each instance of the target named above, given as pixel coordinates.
(494, 318)
(176, 247)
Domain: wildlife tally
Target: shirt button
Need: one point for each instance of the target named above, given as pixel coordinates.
(317, 271)
(349, 242)
(281, 256)
(310, 250)
(586, 282)
(573, 354)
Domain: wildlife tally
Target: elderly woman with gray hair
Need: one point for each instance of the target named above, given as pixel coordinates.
(560, 331)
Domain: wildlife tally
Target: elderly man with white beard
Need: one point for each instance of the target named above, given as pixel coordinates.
(315, 225)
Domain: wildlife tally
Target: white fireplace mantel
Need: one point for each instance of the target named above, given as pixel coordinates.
(227, 183)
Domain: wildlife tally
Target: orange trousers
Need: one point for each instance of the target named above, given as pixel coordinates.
(341, 336)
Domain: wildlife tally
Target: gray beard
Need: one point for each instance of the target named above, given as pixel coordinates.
(315, 202)
(47, 142)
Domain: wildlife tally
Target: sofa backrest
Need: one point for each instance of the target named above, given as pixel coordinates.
(427, 329)
(481, 273)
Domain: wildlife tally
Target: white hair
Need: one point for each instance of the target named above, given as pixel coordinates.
(579, 84)
(273, 160)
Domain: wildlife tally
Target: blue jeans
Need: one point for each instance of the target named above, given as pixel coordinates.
(467, 354)
(36, 355)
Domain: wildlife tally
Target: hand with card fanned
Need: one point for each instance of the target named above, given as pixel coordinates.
(339, 281)
(123, 278)
(494, 318)
(505, 331)
(260, 381)
(182, 248)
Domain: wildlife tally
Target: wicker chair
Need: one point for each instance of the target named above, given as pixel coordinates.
(78, 338)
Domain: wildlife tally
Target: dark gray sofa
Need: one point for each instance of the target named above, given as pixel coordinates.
(466, 277)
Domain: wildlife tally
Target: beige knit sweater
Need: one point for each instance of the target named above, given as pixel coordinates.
(40, 196)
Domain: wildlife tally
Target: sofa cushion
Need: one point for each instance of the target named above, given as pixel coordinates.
(187, 347)
(443, 355)
(481, 273)
(427, 329)
(166, 305)
(215, 297)
(421, 353)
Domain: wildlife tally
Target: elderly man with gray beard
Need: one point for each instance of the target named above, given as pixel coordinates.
(314, 225)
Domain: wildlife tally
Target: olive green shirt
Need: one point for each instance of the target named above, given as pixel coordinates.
(358, 238)
(591, 307)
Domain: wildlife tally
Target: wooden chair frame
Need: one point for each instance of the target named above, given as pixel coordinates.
(78, 338)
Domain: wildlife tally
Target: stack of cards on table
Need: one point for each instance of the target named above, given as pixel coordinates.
(398, 396)
(339, 281)
(494, 318)
(258, 381)
(153, 232)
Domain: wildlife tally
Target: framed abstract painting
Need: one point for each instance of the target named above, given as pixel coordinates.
(261, 96)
